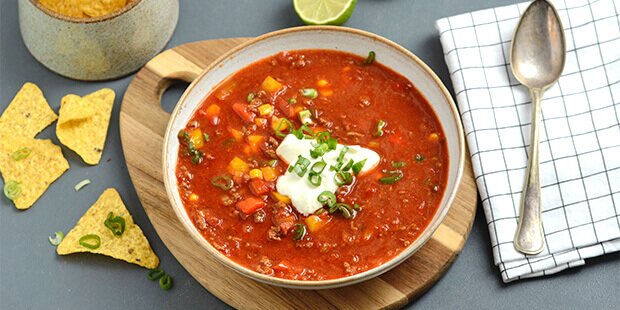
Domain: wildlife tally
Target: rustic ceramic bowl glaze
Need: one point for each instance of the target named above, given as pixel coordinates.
(98, 48)
(333, 38)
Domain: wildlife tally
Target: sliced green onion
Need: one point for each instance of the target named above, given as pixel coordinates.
(56, 239)
(399, 164)
(379, 128)
(271, 163)
(319, 150)
(155, 274)
(318, 167)
(206, 137)
(299, 231)
(305, 116)
(183, 135)
(358, 166)
(300, 167)
(81, 184)
(303, 132)
(12, 189)
(344, 208)
(309, 93)
(357, 207)
(393, 177)
(315, 179)
(165, 282)
(222, 181)
(370, 58)
(90, 241)
(340, 159)
(343, 178)
(292, 100)
(21, 153)
(319, 211)
(348, 165)
(419, 157)
(250, 97)
(327, 198)
(116, 224)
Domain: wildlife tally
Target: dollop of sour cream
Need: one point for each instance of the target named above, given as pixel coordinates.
(302, 193)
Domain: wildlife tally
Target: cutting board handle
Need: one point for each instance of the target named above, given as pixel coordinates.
(167, 69)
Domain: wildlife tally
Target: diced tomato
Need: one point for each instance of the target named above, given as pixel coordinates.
(260, 187)
(287, 109)
(250, 205)
(282, 266)
(242, 110)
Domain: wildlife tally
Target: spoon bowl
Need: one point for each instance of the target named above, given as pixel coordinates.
(537, 60)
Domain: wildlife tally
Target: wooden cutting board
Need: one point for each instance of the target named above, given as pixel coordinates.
(142, 125)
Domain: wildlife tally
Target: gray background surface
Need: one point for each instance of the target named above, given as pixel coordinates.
(32, 276)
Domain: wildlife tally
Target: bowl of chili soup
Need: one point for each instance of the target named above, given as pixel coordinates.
(313, 157)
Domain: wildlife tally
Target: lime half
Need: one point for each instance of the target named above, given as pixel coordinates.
(324, 12)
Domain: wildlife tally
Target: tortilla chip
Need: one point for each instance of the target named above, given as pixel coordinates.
(35, 172)
(83, 123)
(131, 246)
(84, 8)
(27, 114)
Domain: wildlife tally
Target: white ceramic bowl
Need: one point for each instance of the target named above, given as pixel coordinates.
(321, 37)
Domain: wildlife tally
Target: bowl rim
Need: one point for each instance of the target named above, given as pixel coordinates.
(90, 20)
(329, 283)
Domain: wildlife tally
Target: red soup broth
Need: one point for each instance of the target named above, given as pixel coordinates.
(227, 167)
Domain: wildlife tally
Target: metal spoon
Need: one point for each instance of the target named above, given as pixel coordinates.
(537, 60)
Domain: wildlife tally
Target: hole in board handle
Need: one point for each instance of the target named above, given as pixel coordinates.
(172, 94)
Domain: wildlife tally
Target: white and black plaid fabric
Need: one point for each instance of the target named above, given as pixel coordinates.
(580, 136)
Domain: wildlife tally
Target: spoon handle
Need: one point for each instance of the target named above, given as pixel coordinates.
(529, 237)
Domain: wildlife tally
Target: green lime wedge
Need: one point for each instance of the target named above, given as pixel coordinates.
(324, 12)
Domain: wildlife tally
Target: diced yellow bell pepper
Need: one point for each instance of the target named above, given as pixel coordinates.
(281, 197)
(254, 142)
(315, 223)
(269, 173)
(265, 109)
(275, 123)
(237, 134)
(271, 85)
(256, 174)
(238, 166)
(195, 136)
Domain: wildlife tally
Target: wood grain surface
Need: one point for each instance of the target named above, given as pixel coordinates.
(142, 125)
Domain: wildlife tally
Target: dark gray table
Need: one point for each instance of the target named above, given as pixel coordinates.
(32, 276)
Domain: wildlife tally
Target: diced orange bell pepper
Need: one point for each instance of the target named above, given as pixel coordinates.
(260, 122)
(314, 223)
(238, 166)
(250, 205)
(195, 136)
(242, 110)
(271, 85)
(237, 134)
(269, 173)
(213, 114)
(275, 124)
(280, 197)
(254, 142)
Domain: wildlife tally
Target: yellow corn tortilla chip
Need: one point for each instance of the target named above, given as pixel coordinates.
(34, 173)
(27, 114)
(132, 246)
(83, 123)
(84, 8)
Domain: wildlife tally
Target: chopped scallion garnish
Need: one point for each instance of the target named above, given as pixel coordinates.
(300, 167)
(21, 153)
(315, 179)
(283, 121)
(393, 177)
(12, 189)
(370, 58)
(305, 116)
(343, 178)
(379, 128)
(155, 274)
(299, 231)
(419, 157)
(309, 93)
(292, 100)
(344, 208)
(206, 137)
(399, 164)
(318, 167)
(348, 165)
(327, 198)
(116, 224)
(56, 239)
(222, 181)
(90, 241)
(358, 166)
(250, 97)
(81, 184)
(165, 282)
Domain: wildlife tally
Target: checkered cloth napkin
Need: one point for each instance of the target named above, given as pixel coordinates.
(580, 136)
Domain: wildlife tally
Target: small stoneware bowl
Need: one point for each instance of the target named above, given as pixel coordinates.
(331, 38)
(100, 48)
